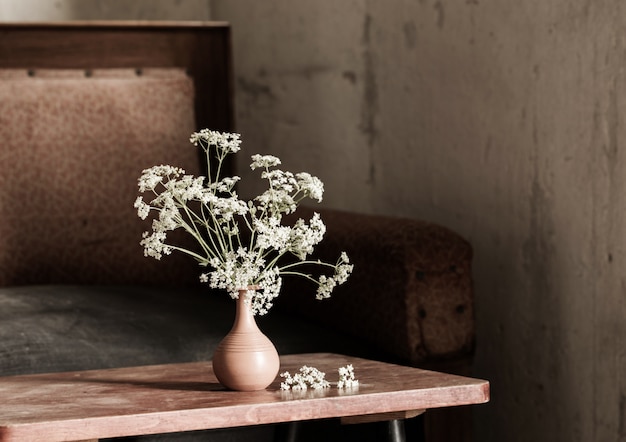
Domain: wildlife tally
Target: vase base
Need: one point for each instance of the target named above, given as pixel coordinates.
(246, 371)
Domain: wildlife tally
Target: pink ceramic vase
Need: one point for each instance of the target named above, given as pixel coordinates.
(245, 360)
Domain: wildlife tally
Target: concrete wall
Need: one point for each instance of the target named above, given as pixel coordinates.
(42, 10)
(501, 120)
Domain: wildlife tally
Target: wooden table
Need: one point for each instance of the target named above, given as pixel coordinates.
(87, 405)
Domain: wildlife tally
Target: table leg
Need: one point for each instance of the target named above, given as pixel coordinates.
(395, 430)
(286, 432)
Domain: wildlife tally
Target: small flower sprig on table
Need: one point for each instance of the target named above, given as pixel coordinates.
(346, 377)
(311, 377)
(242, 242)
(307, 377)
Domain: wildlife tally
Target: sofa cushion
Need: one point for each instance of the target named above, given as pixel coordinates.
(73, 145)
(411, 291)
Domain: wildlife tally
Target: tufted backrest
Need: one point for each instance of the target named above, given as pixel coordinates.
(74, 140)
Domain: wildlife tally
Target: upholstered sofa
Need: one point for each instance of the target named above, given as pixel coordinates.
(83, 109)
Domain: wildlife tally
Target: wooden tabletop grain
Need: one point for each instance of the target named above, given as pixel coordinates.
(184, 397)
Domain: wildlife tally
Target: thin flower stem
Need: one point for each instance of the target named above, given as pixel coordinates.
(303, 275)
(192, 229)
(299, 263)
(201, 259)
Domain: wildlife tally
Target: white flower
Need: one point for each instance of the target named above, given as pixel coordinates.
(326, 285)
(311, 186)
(152, 177)
(304, 237)
(226, 185)
(235, 270)
(346, 377)
(310, 377)
(143, 209)
(227, 142)
(271, 282)
(264, 161)
(271, 235)
(276, 202)
(307, 377)
(154, 245)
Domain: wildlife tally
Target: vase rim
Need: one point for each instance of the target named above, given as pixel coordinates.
(250, 287)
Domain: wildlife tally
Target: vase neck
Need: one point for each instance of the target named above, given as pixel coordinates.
(244, 319)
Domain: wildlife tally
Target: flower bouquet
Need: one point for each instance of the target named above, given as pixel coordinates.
(242, 244)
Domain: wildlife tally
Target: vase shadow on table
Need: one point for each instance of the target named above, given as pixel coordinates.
(169, 385)
(180, 385)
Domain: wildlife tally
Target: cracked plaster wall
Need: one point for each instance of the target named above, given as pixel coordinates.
(300, 90)
(500, 120)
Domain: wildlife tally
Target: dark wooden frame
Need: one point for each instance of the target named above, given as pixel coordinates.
(203, 49)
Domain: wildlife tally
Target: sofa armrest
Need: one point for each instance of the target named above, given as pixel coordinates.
(410, 295)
